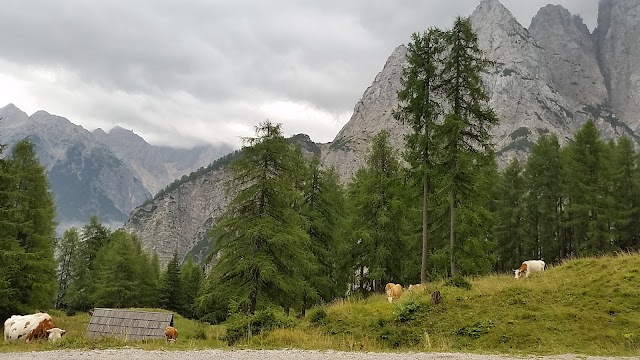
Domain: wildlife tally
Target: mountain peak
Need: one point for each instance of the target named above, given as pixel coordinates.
(556, 18)
(493, 8)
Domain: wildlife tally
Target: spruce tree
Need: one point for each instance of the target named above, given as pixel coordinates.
(512, 215)
(419, 107)
(544, 202)
(588, 199)
(323, 207)
(378, 216)
(67, 250)
(263, 247)
(95, 237)
(191, 277)
(30, 218)
(626, 193)
(171, 291)
(465, 131)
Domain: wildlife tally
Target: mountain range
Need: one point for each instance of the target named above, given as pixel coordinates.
(99, 173)
(549, 78)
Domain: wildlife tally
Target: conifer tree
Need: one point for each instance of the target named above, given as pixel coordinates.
(30, 218)
(323, 207)
(512, 216)
(191, 277)
(68, 250)
(419, 107)
(588, 203)
(465, 131)
(626, 192)
(171, 291)
(378, 218)
(95, 237)
(544, 201)
(262, 244)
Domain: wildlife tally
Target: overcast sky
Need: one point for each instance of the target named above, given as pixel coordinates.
(195, 71)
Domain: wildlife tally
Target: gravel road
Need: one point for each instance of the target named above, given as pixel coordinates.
(132, 354)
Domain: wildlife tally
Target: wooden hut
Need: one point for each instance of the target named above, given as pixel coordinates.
(128, 324)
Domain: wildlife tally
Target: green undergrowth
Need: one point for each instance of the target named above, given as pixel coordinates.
(588, 306)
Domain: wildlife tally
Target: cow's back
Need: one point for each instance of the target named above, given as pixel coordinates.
(535, 266)
(27, 327)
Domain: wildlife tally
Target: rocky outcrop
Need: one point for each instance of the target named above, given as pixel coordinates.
(617, 40)
(179, 221)
(374, 112)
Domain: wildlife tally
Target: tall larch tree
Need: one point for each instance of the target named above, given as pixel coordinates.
(67, 250)
(33, 226)
(465, 132)
(323, 207)
(191, 277)
(544, 201)
(511, 231)
(378, 219)
(419, 108)
(262, 247)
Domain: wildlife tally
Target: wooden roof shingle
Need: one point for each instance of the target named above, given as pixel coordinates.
(128, 324)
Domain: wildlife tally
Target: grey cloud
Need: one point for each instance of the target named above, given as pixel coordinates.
(220, 54)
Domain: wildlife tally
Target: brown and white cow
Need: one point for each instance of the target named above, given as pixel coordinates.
(171, 334)
(528, 267)
(31, 327)
(394, 291)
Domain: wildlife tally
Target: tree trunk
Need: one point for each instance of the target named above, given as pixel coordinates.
(425, 230)
(452, 233)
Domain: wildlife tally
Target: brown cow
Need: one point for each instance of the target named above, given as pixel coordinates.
(394, 292)
(171, 334)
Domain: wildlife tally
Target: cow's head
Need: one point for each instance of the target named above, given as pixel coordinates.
(55, 334)
(516, 273)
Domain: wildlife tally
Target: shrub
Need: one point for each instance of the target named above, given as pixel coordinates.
(475, 330)
(243, 326)
(317, 316)
(459, 281)
(407, 311)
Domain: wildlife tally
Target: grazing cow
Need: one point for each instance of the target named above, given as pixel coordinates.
(29, 327)
(171, 334)
(55, 334)
(528, 267)
(417, 288)
(394, 292)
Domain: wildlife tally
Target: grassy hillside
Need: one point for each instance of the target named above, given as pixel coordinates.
(587, 306)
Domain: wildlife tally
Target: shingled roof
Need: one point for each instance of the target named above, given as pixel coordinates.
(128, 324)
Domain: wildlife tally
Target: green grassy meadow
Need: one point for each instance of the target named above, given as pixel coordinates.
(587, 306)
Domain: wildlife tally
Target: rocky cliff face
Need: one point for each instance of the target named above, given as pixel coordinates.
(617, 39)
(179, 221)
(550, 78)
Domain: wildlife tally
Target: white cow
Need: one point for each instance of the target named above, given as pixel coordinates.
(31, 327)
(528, 267)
